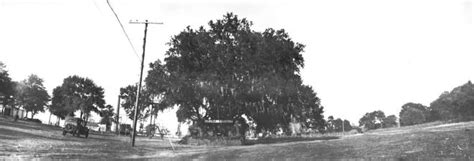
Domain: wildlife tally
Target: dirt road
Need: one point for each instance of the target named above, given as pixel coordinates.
(23, 139)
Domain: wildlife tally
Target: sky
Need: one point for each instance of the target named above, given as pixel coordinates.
(360, 55)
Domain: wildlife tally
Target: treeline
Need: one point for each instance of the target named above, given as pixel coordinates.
(29, 94)
(455, 106)
(337, 125)
(75, 94)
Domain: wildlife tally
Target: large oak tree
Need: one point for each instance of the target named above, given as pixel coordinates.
(230, 70)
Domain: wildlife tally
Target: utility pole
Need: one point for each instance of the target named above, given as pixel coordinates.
(117, 122)
(139, 88)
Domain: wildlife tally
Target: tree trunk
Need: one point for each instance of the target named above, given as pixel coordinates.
(81, 115)
(87, 119)
(49, 121)
(32, 114)
(57, 121)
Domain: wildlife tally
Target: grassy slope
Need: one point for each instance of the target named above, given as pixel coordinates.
(23, 139)
(26, 139)
(427, 141)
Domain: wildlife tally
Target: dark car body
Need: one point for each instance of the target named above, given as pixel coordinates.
(75, 126)
(125, 129)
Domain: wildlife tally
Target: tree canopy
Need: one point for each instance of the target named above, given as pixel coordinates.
(58, 107)
(372, 120)
(106, 115)
(455, 105)
(7, 86)
(229, 70)
(414, 113)
(129, 95)
(32, 95)
(390, 121)
(77, 93)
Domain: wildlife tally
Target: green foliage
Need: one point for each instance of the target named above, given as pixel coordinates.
(58, 107)
(107, 115)
(414, 113)
(7, 86)
(335, 125)
(158, 84)
(229, 70)
(77, 93)
(455, 105)
(129, 96)
(390, 121)
(372, 120)
(32, 95)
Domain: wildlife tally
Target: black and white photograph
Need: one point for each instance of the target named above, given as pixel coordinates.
(236, 80)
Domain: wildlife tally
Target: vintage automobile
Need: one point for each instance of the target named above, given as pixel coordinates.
(76, 127)
(125, 129)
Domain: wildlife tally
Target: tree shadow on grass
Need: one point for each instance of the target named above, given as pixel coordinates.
(8, 134)
(26, 125)
(286, 140)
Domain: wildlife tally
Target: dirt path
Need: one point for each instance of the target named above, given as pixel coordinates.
(23, 139)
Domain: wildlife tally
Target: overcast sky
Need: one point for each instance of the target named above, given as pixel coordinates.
(360, 55)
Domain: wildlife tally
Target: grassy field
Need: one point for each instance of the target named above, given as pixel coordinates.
(432, 141)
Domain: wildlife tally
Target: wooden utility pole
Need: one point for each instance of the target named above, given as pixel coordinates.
(117, 121)
(139, 88)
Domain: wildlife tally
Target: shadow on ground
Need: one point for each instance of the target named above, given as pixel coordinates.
(287, 139)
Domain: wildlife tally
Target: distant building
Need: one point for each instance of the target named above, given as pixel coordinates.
(9, 111)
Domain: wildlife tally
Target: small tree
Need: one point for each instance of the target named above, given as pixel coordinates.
(390, 121)
(372, 120)
(32, 95)
(347, 125)
(330, 127)
(107, 116)
(58, 107)
(129, 95)
(7, 90)
(77, 93)
(414, 113)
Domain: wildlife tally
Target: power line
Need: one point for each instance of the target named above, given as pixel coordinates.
(123, 29)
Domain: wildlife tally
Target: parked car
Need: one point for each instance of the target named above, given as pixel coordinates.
(125, 129)
(76, 127)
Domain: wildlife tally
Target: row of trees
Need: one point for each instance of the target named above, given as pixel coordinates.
(222, 73)
(29, 94)
(338, 125)
(456, 105)
(75, 94)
